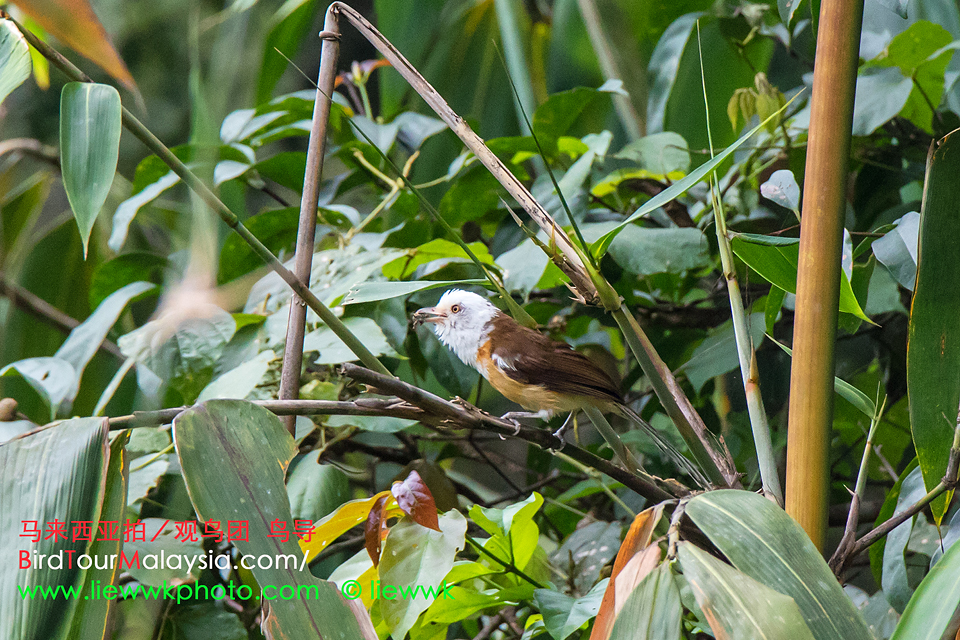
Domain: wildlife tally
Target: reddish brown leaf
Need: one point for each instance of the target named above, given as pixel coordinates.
(415, 499)
(74, 23)
(373, 529)
(637, 540)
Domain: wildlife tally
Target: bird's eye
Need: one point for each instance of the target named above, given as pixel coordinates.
(455, 308)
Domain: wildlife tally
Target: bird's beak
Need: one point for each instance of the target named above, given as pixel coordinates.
(428, 314)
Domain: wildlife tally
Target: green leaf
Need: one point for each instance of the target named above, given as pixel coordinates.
(934, 603)
(84, 341)
(652, 610)
(182, 351)
(678, 188)
(738, 606)
(54, 475)
(52, 378)
(776, 260)
(90, 618)
(897, 249)
(554, 117)
(234, 455)
(886, 511)
(14, 59)
(416, 556)
(562, 614)
(129, 207)
(933, 335)
(89, 147)
(881, 94)
(377, 424)
(373, 291)
(315, 489)
(646, 251)
(240, 381)
(763, 542)
(332, 350)
(895, 582)
(659, 153)
(846, 390)
(438, 249)
(137, 266)
(717, 354)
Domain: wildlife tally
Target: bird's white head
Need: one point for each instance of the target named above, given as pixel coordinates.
(461, 321)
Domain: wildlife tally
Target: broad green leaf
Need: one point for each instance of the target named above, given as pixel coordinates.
(90, 618)
(514, 534)
(84, 341)
(240, 381)
(562, 614)
(462, 604)
(677, 189)
(332, 350)
(54, 475)
(277, 229)
(717, 354)
(897, 249)
(895, 581)
(234, 455)
(738, 606)
(881, 94)
(921, 55)
(846, 390)
(933, 335)
(935, 601)
(781, 187)
(113, 275)
(652, 611)
(124, 214)
(763, 542)
(89, 147)
(416, 556)
(886, 511)
(14, 59)
(660, 153)
(554, 117)
(646, 251)
(53, 379)
(438, 249)
(315, 489)
(377, 424)
(776, 260)
(373, 291)
(182, 350)
(160, 538)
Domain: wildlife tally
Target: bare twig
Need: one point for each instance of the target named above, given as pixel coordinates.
(43, 310)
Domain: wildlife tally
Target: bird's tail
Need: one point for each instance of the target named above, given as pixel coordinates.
(693, 470)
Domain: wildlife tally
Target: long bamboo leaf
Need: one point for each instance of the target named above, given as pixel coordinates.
(90, 124)
(762, 541)
(933, 336)
(55, 475)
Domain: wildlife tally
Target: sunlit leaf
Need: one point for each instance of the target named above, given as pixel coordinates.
(74, 23)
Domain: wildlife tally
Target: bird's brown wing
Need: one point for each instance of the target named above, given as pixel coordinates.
(529, 357)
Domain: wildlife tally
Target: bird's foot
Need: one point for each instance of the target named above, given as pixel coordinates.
(514, 417)
(561, 432)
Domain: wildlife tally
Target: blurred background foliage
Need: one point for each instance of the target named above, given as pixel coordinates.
(215, 88)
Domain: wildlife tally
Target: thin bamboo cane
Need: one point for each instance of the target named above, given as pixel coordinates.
(306, 231)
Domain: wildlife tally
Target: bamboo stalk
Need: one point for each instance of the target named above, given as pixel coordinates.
(818, 279)
(307, 227)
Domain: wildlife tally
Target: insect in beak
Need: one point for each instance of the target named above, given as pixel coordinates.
(427, 314)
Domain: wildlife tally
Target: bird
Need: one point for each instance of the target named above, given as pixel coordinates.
(542, 375)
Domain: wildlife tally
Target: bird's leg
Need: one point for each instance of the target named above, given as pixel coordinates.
(559, 433)
(516, 416)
